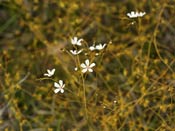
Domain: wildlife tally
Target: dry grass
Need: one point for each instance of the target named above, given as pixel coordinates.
(132, 86)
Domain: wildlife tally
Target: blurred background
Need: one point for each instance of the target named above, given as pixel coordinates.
(132, 86)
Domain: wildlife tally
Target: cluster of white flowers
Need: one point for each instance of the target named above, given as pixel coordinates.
(86, 66)
(76, 42)
(59, 86)
(135, 14)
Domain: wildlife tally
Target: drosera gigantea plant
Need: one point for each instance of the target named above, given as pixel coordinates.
(83, 56)
(153, 31)
(88, 65)
(84, 59)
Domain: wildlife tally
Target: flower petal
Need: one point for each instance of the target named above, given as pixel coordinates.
(49, 75)
(84, 70)
(92, 65)
(90, 70)
(79, 51)
(87, 62)
(56, 85)
(46, 74)
(56, 90)
(71, 51)
(52, 71)
(104, 45)
(61, 83)
(79, 42)
(74, 40)
(128, 14)
(48, 71)
(62, 90)
(83, 65)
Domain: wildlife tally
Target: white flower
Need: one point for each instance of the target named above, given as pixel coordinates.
(75, 41)
(59, 87)
(75, 52)
(87, 66)
(100, 46)
(92, 47)
(135, 14)
(97, 47)
(49, 72)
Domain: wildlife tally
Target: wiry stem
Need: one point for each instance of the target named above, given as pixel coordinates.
(84, 95)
